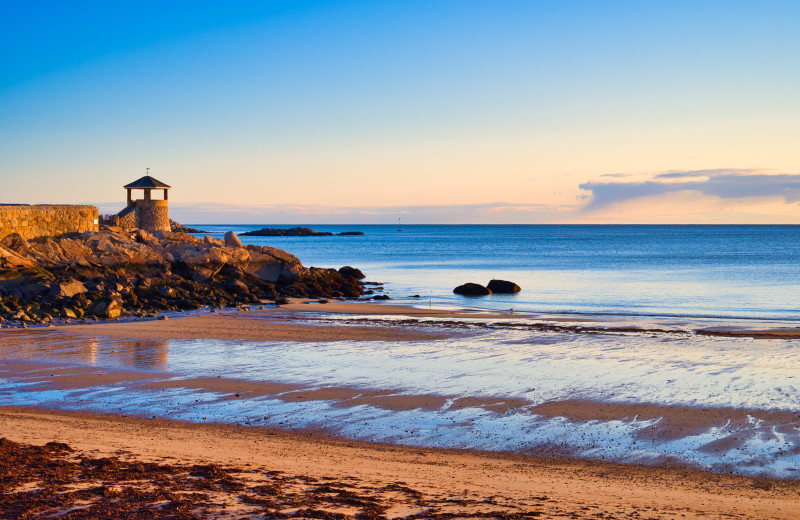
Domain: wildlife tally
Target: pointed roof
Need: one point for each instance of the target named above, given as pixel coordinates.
(147, 182)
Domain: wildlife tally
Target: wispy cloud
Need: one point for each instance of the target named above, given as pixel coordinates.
(722, 183)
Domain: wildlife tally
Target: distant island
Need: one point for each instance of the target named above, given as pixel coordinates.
(296, 232)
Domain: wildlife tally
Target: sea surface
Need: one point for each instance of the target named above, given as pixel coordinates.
(696, 271)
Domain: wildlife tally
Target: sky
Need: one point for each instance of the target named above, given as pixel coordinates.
(433, 111)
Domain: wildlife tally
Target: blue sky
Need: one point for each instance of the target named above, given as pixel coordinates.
(364, 110)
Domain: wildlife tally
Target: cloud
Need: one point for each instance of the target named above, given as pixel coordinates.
(689, 174)
(722, 183)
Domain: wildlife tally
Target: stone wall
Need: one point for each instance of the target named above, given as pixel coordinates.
(46, 220)
(153, 215)
(126, 219)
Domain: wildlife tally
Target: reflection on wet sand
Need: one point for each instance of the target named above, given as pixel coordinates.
(53, 345)
(146, 354)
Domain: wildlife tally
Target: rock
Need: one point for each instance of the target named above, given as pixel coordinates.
(106, 308)
(67, 289)
(350, 233)
(208, 239)
(166, 292)
(472, 289)
(284, 232)
(31, 290)
(231, 240)
(180, 228)
(351, 272)
(381, 297)
(273, 265)
(16, 243)
(239, 286)
(142, 235)
(503, 287)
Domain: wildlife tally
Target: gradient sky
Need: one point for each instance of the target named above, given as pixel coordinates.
(434, 111)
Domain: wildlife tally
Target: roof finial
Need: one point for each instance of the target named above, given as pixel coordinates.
(147, 171)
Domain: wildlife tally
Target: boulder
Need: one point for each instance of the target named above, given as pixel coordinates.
(351, 272)
(106, 308)
(472, 289)
(16, 243)
(30, 289)
(208, 239)
(272, 265)
(231, 240)
(503, 287)
(67, 289)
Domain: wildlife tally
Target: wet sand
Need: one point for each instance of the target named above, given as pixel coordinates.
(247, 326)
(239, 466)
(280, 324)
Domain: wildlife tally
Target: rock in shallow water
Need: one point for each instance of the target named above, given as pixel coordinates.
(351, 272)
(503, 287)
(472, 289)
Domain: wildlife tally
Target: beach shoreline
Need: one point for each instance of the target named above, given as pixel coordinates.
(511, 483)
(309, 325)
(418, 315)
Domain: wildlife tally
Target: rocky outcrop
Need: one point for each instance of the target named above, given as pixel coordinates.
(180, 228)
(503, 287)
(472, 289)
(115, 272)
(296, 232)
(284, 232)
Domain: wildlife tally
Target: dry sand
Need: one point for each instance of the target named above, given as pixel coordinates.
(407, 481)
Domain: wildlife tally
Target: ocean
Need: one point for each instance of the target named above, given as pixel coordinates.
(694, 271)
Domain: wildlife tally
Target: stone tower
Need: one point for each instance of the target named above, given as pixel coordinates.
(147, 213)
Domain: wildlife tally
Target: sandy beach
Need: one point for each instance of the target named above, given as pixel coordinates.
(264, 469)
(262, 325)
(280, 324)
(390, 481)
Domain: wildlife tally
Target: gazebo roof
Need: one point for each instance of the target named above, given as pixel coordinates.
(147, 182)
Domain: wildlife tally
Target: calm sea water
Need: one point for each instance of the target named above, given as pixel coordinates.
(668, 270)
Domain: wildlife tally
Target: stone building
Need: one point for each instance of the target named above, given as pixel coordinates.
(147, 213)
